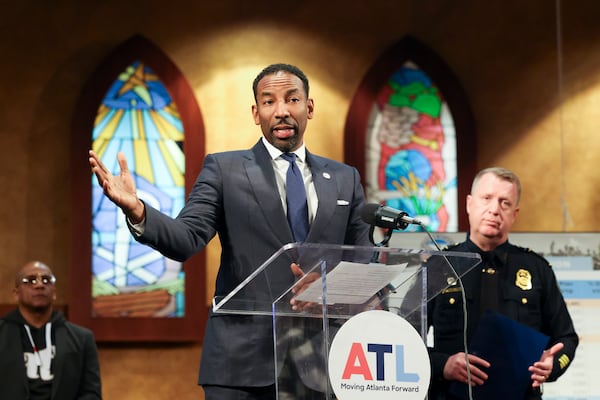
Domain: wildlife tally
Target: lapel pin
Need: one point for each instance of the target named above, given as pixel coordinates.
(326, 175)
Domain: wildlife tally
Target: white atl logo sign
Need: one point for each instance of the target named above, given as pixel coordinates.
(377, 354)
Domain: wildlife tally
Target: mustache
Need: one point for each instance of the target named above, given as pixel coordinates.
(286, 122)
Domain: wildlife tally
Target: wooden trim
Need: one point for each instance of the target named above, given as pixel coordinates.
(365, 96)
(191, 326)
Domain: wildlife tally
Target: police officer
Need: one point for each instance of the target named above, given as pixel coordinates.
(510, 280)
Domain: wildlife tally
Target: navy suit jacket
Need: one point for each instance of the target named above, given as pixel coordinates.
(236, 197)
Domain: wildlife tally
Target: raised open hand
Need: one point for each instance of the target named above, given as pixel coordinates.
(120, 189)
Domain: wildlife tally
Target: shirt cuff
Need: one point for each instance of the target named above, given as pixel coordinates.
(137, 229)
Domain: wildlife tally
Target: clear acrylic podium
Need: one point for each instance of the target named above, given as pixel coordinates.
(338, 282)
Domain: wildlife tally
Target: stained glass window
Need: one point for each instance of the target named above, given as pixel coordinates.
(137, 117)
(411, 162)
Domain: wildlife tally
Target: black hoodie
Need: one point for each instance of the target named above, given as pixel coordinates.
(63, 365)
(39, 359)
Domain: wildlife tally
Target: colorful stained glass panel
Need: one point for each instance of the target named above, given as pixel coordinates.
(411, 151)
(138, 118)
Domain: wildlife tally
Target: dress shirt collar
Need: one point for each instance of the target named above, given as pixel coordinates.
(274, 152)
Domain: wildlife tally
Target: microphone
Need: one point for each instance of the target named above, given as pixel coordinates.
(386, 217)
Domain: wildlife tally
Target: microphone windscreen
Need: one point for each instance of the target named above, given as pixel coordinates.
(368, 213)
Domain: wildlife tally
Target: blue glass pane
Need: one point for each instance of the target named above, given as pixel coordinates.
(137, 117)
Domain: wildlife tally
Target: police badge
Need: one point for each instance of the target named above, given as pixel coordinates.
(523, 280)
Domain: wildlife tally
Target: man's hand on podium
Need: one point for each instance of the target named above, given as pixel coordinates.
(304, 281)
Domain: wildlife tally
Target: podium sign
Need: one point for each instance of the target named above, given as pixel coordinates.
(337, 283)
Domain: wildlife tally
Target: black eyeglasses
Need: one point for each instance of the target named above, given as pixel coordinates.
(34, 279)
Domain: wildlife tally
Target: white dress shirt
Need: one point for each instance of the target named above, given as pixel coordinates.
(281, 166)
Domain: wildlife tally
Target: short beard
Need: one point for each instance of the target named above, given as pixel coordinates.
(286, 145)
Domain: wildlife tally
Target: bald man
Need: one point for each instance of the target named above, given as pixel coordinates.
(43, 355)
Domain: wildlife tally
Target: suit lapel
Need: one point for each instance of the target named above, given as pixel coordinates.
(262, 180)
(326, 188)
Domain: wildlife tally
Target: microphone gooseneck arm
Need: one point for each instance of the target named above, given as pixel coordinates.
(464, 310)
(389, 218)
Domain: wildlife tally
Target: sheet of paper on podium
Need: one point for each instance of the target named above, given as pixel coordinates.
(352, 283)
(511, 348)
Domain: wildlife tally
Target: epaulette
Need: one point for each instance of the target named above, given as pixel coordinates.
(525, 249)
(532, 252)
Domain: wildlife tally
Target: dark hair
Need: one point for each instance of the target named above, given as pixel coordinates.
(273, 69)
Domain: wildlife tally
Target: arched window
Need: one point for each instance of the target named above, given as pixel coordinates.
(137, 103)
(410, 133)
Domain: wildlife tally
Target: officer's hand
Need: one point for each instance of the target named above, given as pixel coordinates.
(541, 370)
(456, 369)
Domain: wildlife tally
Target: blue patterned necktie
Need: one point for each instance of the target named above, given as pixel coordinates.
(297, 208)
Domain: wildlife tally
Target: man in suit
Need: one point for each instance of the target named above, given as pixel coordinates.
(241, 197)
(43, 356)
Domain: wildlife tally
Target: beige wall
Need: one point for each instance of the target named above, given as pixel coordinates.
(505, 56)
